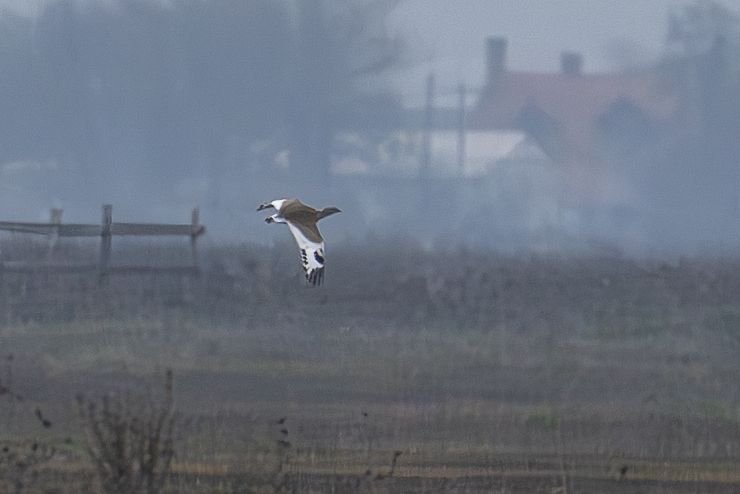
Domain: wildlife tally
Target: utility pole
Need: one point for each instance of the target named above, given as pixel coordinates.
(461, 90)
(426, 143)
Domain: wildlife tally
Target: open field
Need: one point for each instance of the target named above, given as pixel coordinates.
(410, 371)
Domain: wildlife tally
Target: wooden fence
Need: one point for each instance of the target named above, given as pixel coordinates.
(106, 230)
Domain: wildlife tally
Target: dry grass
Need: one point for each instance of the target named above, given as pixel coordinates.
(487, 373)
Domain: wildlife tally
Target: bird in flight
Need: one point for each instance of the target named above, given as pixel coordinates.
(302, 219)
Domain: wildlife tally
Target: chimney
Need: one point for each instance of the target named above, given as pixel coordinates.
(495, 58)
(571, 63)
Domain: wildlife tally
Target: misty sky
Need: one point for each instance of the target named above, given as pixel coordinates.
(537, 29)
(438, 30)
(448, 37)
(144, 108)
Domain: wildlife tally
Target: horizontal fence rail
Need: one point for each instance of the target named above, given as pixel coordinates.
(75, 230)
(107, 229)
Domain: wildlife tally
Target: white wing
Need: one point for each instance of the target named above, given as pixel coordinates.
(312, 255)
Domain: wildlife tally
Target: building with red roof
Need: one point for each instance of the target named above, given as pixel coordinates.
(587, 123)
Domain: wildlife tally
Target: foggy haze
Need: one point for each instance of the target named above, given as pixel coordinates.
(531, 285)
(159, 106)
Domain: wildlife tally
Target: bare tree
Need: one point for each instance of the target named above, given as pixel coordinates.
(340, 46)
(130, 443)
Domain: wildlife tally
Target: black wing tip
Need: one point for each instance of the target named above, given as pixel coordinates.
(315, 277)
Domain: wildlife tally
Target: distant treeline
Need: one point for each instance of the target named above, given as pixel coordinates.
(136, 90)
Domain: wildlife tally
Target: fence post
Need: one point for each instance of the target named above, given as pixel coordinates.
(105, 241)
(55, 218)
(195, 225)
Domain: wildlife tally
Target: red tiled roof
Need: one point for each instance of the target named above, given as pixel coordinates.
(575, 102)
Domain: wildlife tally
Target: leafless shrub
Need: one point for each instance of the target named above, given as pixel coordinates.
(11, 398)
(19, 460)
(19, 465)
(392, 469)
(130, 443)
(280, 479)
